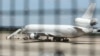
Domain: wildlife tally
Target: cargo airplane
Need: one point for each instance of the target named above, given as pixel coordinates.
(83, 25)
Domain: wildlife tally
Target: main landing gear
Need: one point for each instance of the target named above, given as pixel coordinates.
(60, 39)
(57, 39)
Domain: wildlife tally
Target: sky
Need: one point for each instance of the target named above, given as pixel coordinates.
(47, 5)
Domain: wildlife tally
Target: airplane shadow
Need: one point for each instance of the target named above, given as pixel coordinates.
(86, 42)
(71, 42)
(41, 41)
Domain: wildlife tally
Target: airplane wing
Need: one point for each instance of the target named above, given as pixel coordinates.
(80, 31)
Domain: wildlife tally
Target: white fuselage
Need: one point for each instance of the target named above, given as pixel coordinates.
(56, 30)
(83, 26)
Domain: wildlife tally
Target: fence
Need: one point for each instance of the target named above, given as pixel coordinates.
(18, 13)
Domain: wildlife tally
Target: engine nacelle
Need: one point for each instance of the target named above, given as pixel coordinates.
(85, 22)
(32, 36)
(93, 22)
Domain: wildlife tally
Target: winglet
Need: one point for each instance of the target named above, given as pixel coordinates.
(89, 12)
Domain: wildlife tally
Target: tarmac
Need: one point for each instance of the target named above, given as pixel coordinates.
(81, 46)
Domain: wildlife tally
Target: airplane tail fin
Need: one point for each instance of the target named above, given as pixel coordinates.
(87, 19)
(89, 12)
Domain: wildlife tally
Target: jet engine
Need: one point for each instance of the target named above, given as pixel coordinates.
(34, 36)
(85, 22)
(93, 22)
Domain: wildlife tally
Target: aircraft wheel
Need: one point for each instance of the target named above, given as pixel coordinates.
(25, 38)
(58, 39)
(37, 36)
(66, 40)
(55, 39)
(47, 40)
